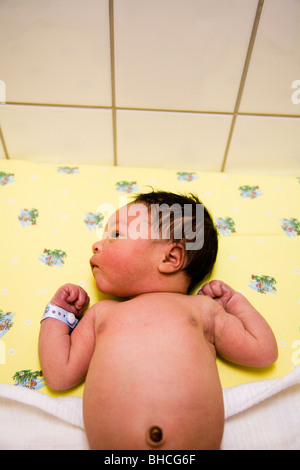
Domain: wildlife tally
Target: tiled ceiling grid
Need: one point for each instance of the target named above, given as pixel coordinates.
(126, 118)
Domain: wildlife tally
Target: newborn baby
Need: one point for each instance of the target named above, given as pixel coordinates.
(149, 358)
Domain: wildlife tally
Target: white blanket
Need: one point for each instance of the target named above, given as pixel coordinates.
(263, 415)
(259, 415)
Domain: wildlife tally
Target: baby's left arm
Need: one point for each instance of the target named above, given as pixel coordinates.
(241, 334)
(65, 357)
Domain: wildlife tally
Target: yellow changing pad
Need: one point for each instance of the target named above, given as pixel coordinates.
(52, 213)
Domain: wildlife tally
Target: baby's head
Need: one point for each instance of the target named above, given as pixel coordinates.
(184, 220)
(159, 242)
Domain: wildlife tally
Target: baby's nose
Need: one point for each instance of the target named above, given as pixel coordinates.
(97, 246)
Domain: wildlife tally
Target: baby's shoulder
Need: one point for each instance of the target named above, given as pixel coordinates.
(201, 301)
(206, 308)
(100, 311)
(101, 308)
(103, 305)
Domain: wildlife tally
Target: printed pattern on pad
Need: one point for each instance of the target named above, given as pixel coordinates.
(50, 216)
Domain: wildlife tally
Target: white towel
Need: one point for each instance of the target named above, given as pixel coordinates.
(263, 415)
(68, 409)
(259, 415)
(242, 397)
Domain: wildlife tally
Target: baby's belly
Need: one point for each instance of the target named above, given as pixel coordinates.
(150, 374)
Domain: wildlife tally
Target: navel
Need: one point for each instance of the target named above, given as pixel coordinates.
(155, 436)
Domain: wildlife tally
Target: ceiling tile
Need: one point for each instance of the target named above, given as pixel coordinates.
(55, 52)
(181, 55)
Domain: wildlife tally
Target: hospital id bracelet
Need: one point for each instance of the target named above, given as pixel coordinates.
(52, 311)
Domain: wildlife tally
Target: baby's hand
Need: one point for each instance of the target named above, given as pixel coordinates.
(219, 291)
(241, 334)
(71, 298)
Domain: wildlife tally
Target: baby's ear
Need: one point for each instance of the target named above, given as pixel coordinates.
(173, 261)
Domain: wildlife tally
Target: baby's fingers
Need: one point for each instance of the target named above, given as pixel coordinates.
(82, 302)
(212, 289)
(205, 290)
(72, 293)
(76, 298)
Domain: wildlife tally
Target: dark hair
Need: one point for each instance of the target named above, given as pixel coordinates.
(198, 262)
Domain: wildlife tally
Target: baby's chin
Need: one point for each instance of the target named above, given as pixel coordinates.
(121, 291)
(115, 294)
(120, 294)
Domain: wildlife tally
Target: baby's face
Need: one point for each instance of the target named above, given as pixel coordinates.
(124, 263)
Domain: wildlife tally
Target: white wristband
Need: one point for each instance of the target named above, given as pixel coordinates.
(52, 311)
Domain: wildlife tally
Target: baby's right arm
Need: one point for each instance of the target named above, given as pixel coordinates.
(241, 334)
(65, 357)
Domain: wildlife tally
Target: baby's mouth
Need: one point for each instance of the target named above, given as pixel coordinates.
(95, 269)
(93, 265)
